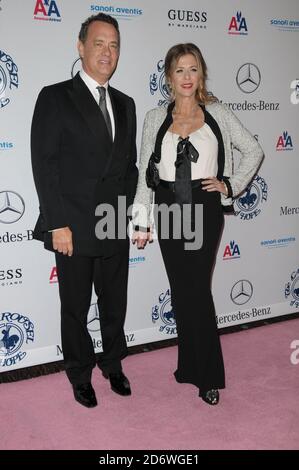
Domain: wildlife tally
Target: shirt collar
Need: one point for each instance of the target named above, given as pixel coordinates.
(90, 82)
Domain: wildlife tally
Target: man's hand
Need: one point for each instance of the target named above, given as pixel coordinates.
(63, 241)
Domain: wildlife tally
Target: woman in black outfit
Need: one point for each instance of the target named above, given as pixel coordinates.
(185, 154)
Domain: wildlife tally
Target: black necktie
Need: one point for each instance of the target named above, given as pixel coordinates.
(186, 153)
(103, 108)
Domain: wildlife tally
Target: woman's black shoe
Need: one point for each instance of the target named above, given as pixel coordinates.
(210, 396)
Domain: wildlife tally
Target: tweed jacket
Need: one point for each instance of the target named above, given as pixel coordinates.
(234, 135)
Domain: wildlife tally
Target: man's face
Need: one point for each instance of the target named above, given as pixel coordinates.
(100, 51)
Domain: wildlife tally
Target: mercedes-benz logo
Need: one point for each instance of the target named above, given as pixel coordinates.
(93, 320)
(248, 78)
(241, 292)
(12, 207)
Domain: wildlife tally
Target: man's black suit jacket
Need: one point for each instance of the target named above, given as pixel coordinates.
(76, 166)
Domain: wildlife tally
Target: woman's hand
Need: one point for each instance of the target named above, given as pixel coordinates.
(142, 238)
(213, 184)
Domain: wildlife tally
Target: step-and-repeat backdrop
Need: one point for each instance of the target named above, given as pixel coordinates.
(251, 49)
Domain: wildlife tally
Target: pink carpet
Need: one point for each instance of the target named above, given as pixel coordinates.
(258, 409)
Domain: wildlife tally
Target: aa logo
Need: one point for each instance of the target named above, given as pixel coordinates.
(238, 25)
(284, 142)
(46, 10)
(231, 251)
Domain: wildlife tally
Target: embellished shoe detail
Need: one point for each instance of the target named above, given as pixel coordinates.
(210, 396)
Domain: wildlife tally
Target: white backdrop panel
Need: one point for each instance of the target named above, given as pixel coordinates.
(256, 274)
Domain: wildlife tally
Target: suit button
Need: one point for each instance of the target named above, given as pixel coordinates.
(103, 179)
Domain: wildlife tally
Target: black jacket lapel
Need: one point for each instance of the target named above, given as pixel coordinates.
(91, 113)
(215, 128)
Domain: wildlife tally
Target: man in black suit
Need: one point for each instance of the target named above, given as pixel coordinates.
(84, 154)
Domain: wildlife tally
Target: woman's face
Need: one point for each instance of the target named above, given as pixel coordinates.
(185, 76)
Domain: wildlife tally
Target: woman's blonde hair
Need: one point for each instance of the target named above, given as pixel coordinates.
(171, 59)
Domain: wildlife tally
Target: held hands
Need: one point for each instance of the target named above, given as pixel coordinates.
(213, 184)
(63, 241)
(142, 238)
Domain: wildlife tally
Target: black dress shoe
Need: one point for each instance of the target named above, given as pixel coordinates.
(119, 383)
(85, 395)
(210, 396)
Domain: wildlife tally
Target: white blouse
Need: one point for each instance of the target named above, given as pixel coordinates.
(205, 142)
